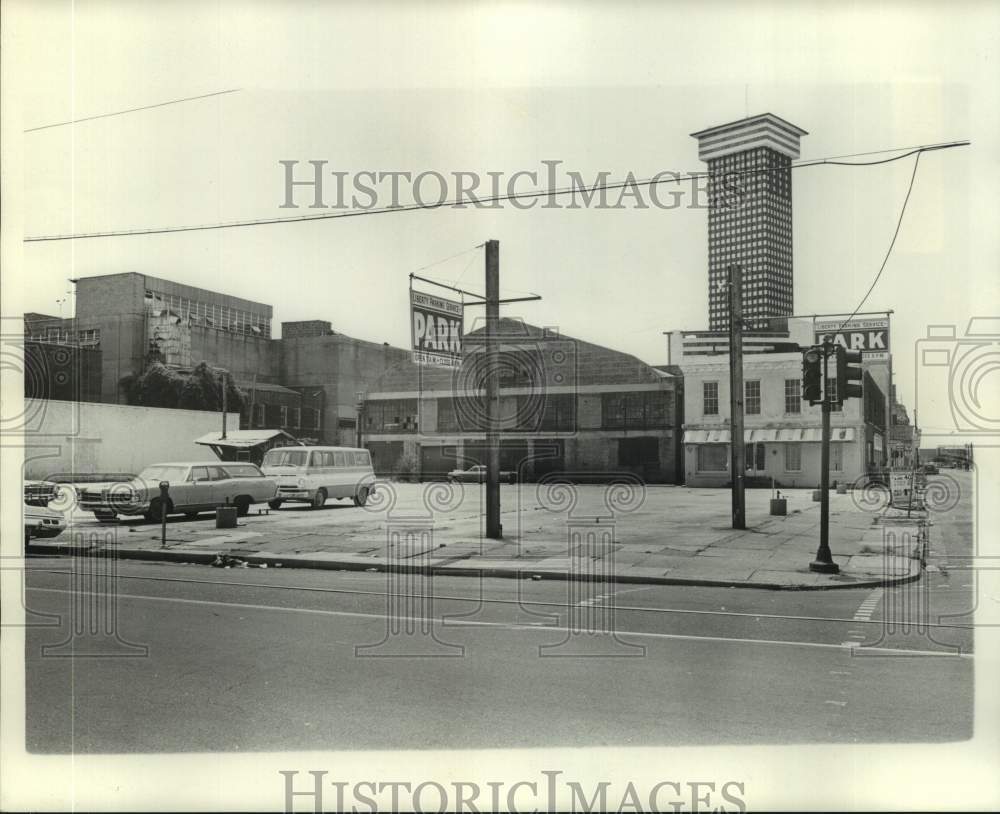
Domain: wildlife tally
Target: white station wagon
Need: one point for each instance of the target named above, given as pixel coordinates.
(194, 487)
(313, 475)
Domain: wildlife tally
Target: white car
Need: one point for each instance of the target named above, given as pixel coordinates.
(41, 521)
(477, 474)
(194, 487)
(313, 475)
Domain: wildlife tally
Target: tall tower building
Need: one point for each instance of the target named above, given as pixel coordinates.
(750, 216)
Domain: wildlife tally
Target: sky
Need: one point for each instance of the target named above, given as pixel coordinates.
(501, 88)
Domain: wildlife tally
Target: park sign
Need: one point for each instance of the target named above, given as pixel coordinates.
(870, 336)
(436, 330)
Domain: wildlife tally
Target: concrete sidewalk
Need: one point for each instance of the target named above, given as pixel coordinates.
(675, 535)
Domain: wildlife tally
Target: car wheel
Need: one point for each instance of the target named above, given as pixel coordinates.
(361, 498)
(242, 504)
(274, 504)
(319, 499)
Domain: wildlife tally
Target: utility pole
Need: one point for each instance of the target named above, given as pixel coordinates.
(736, 446)
(824, 558)
(494, 530)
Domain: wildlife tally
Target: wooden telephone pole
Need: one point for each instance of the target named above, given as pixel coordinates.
(737, 449)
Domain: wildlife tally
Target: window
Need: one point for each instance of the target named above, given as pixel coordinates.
(284, 416)
(836, 457)
(391, 416)
(243, 471)
(199, 473)
(295, 417)
(361, 459)
(713, 457)
(643, 409)
(751, 395)
(710, 398)
(338, 459)
(793, 396)
(793, 457)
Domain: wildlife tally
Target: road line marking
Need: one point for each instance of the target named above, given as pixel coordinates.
(507, 625)
(481, 597)
(840, 672)
(837, 703)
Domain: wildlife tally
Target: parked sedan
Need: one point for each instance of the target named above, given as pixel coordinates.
(194, 487)
(41, 521)
(477, 474)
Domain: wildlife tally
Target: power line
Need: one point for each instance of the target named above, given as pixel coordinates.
(899, 223)
(631, 182)
(131, 110)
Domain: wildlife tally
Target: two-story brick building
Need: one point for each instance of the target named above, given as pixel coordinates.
(566, 405)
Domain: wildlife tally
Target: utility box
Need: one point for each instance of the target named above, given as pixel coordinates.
(779, 506)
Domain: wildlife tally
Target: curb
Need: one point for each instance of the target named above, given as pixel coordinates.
(206, 558)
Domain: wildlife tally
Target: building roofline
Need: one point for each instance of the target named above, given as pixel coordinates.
(741, 122)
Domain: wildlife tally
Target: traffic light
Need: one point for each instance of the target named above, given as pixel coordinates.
(812, 374)
(849, 374)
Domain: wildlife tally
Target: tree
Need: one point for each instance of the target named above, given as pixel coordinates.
(201, 389)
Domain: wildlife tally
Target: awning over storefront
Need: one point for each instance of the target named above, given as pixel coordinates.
(755, 436)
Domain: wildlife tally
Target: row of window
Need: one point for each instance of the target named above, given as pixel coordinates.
(638, 410)
(280, 415)
(715, 457)
(752, 396)
(210, 314)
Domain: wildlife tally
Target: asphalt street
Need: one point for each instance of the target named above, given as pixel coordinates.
(193, 658)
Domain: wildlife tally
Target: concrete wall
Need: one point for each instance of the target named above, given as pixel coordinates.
(66, 436)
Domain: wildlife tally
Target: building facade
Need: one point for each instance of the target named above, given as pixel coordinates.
(782, 433)
(750, 216)
(904, 438)
(566, 406)
(305, 383)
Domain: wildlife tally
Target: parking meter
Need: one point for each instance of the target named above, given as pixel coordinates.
(164, 497)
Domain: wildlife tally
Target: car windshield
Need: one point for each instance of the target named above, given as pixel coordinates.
(168, 472)
(286, 457)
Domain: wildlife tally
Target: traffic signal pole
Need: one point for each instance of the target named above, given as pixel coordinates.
(737, 448)
(824, 558)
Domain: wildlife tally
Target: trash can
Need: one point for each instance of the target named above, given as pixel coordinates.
(779, 506)
(225, 517)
